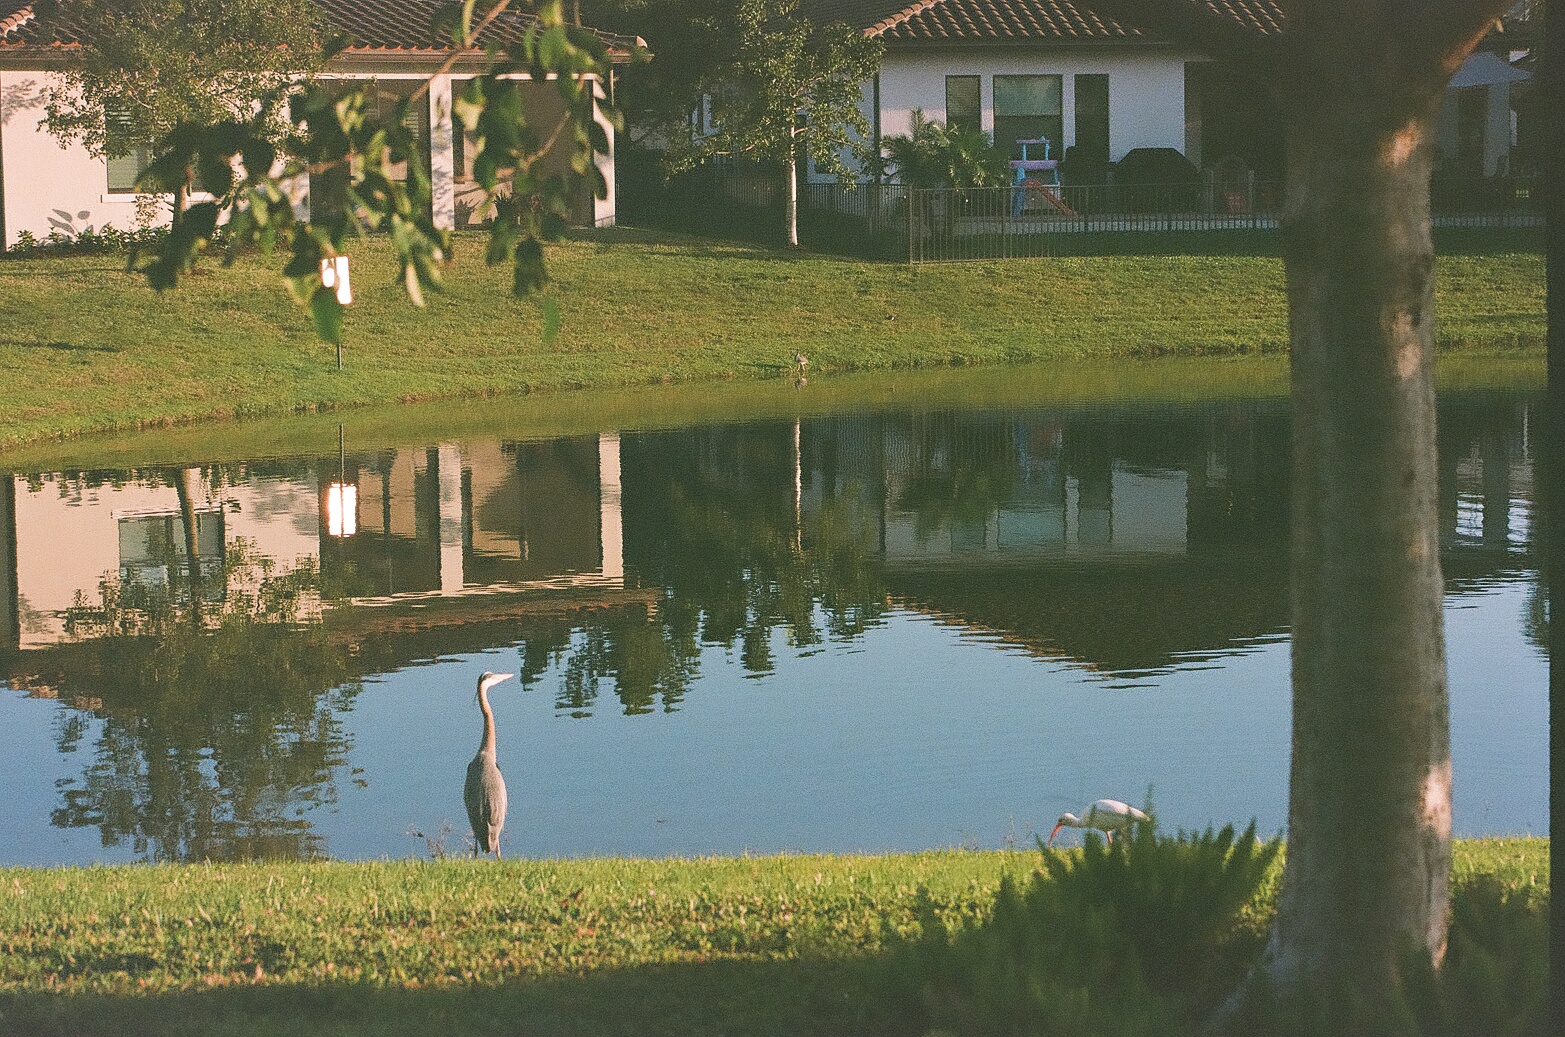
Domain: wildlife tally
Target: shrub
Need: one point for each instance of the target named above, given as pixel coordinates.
(1146, 935)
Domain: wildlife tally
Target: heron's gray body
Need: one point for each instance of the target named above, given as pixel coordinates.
(484, 794)
(484, 791)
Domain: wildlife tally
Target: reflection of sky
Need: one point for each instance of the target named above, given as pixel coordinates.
(914, 736)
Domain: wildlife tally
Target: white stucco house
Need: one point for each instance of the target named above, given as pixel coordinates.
(49, 186)
(1023, 69)
(1476, 127)
(1059, 70)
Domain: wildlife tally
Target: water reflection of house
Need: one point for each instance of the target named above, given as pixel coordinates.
(1131, 540)
(436, 522)
(440, 519)
(963, 490)
(69, 533)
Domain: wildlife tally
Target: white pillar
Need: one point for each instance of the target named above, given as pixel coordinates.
(603, 208)
(611, 522)
(798, 489)
(10, 611)
(450, 481)
(442, 155)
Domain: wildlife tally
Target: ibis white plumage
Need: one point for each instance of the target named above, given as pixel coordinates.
(1106, 815)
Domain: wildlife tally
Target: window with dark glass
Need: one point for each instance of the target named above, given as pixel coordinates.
(964, 102)
(1472, 110)
(1026, 108)
(1092, 117)
(126, 160)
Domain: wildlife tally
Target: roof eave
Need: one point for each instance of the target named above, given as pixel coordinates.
(1052, 43)
(431, 59)
(34, 57)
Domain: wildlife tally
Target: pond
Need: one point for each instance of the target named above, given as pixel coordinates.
(909, 626)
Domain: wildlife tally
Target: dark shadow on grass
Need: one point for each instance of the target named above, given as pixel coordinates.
(764, 242)
(785, 999)
(9, 262)
(70, 347)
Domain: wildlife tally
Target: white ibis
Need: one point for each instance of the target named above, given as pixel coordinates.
(1106, 815)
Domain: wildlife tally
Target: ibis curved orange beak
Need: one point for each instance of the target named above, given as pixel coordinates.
(1055, 833)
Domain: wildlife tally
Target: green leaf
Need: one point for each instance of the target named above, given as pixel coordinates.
(326, 315)
(528, 274)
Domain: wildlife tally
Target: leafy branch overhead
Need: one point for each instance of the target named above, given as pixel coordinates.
(135, 69)
(337, 129)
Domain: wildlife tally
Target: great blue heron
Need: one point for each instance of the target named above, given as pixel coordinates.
(1106, 815)
(484, 791)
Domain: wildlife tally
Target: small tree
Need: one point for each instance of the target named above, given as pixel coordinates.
(141, 67)
(792, 87)
(937, 154)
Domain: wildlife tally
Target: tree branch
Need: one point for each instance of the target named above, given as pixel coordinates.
(469, 43)
(1452, 28)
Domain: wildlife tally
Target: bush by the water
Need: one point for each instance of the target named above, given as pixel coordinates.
(1144, 935)
(1151, 935)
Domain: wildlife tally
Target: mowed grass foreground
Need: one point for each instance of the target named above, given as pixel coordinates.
(770, 945)
(86, 346)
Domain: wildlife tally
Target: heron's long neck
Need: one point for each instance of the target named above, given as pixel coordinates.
(487, 745)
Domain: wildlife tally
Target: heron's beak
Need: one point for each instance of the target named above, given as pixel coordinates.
(503, 677)
(1055, 833)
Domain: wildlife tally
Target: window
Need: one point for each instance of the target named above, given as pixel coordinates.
(1028, 107)
(964, 105)
(1472, 110)
(1092, 117)
(126, 161)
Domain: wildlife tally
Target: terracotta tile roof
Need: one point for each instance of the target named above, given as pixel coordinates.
(405, 25)
(1006, 21)
(14, 14)
(373, 25)
(1012, 21)
(873, 16)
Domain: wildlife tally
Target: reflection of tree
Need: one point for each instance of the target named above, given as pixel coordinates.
(219, 726)
(960, 475)
(737, 555)
(1535, 619)
(712, 519)
(649, 659)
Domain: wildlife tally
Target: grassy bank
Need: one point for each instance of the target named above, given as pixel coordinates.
(85, 346)
(773, 945)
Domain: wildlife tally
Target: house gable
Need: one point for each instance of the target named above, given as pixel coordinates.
(49, 186)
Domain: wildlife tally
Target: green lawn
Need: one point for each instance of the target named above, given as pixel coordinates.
(85, 346)
(768, 945)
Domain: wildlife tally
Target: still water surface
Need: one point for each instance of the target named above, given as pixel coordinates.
(893, 630)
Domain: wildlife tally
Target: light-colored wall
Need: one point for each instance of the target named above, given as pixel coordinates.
(67, 535)
(603, 209)
(50, 186)
(1146, 88)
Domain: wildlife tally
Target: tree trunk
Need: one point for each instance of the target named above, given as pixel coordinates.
(1369, 816)
(188, 486)
(791, 214)
(1550, 85)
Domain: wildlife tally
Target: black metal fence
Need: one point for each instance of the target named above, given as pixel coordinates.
(891, 221)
